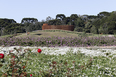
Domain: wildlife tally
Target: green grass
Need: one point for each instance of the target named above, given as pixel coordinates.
(60, 33)
(56, 32)
(50, 33)
(74, 65)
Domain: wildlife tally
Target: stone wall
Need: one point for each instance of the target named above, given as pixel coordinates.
(62, 27)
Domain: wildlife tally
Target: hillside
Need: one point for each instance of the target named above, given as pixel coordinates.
(55, 32)
(50, 33)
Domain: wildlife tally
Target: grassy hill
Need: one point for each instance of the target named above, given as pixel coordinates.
(50, 33)
(55, 32)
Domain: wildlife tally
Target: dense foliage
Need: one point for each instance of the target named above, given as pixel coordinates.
(104, 22)
(9, 26)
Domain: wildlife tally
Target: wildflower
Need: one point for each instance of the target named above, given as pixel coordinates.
(39, 50)
(30, 75)
(53, 62)
(1, 55)
(24, 67)
(13, 56)
(73, 61)
(65, 63)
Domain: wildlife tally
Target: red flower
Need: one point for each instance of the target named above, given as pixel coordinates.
(73, 61)
(39, 50)
(13, 56)
(65, 63)
(30, 75)
(1, 55)
(53, 62)
(24, 67)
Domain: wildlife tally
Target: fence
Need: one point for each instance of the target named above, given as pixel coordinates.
(62, 27)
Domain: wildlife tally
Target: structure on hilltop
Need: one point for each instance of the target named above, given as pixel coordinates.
(62, 27)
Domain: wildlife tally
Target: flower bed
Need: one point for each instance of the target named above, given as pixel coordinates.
(59, 41)
(70, 61)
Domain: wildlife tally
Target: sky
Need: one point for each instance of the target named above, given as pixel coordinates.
(41, 9)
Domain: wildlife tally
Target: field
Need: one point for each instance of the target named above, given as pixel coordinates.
(74, 63)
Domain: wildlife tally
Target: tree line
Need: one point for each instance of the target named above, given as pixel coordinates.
(104, 22)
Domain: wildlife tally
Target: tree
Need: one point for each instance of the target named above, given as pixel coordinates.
(8, 20)
(112, 17)
(84, 18)
(29, 28)
(55, 22)
(92, 17)
(5, 22)
(67, 21)
(97, 23)
(102, 14)
(29, 20)
(2, 31)
(103, 28)
(88, 26)
(38, 26)
(29, 23)
(14, 28)
(60, 16)
(73, 17)
(48, 19)
(51, 22)
(78, 29)
(111, 27)
(58, 22)
(79, 23)
(93, 30)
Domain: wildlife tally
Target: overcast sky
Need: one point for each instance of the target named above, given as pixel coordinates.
(40, 9)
